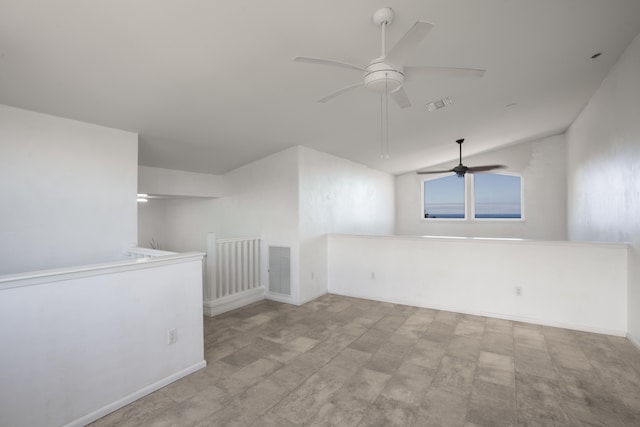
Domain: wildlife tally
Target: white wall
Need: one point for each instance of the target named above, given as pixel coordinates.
(541, 163)
(151, 224)
(79, 345)
(573, 285)
(291, 198)
(178, 225)
(186, 212)
(169, 182)
(337, 196)
(261, 200)
(68, 191)
(603, 165)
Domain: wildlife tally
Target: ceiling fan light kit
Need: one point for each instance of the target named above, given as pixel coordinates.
(383, 79)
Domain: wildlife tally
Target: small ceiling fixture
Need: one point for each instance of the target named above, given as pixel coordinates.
(440, 103)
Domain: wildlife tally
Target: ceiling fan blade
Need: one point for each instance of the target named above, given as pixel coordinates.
(430, 172)
(485, 168)
(340, 92)
(411, 73)
(401, 98)
(329, 62)
(408, 43)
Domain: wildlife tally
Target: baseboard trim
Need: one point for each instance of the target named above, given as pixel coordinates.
(231, 302)
(288, 299)
(633, 340)
(318, 295)
(583, 328)
(105, 410)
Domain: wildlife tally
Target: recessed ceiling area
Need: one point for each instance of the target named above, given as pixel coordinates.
(210, 86)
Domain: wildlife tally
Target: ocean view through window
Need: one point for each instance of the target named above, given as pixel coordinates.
(444, 197)
(474, 197)
(497, 196)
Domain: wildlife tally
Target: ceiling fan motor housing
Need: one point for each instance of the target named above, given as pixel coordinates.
(383, 78)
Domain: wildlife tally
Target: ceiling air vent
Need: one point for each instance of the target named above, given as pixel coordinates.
(440, 103)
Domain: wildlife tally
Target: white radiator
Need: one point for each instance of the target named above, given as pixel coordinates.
(232, 277)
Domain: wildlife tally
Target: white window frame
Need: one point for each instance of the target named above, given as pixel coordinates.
(472, 204)
(469, 200)
(466, 198)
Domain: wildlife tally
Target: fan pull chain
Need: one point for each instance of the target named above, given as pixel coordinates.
(381, 127)
(386, 106)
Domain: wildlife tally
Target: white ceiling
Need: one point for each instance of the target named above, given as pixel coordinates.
(211, 85)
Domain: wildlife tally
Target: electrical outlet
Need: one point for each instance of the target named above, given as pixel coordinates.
(518, 291)
(172, 336)
(373, 275)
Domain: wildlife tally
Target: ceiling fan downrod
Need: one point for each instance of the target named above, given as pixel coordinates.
(383, 17)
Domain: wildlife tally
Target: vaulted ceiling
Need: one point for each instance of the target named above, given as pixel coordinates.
(211, 85)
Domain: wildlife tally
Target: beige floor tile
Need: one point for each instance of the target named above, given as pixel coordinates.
(340, 361)
(249, 375)
(331, 415)
(448, 317)
(361, 390)
(426, 353)
(538, 401)
(455, 375)
(486, 411)
(440, 331)
(464, 347)
(530, 361)
(387, 412)
(499, 326)
(409, 384)
(390, 323)
(370, 341)
(497, 343)
(442, 408)
(470, 328)
(271, 420)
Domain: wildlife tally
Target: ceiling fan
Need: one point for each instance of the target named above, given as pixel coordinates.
(387, 73)
(461, 169)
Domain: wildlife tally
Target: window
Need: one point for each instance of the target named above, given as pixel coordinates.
(444, 197)
(497, 196)
(490, 196)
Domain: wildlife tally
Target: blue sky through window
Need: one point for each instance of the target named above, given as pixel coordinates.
(494, 196)
(497, 196)
(444, 197)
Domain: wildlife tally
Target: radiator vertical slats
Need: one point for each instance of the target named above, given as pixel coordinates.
(237, 269)
(249, 262)
(245, 265)
(227, 267)
(257, 266)
(237, 266)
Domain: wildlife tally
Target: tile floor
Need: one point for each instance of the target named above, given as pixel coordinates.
(340, 361)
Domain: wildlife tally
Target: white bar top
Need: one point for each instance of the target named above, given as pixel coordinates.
(30, 278)
(507, 240)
